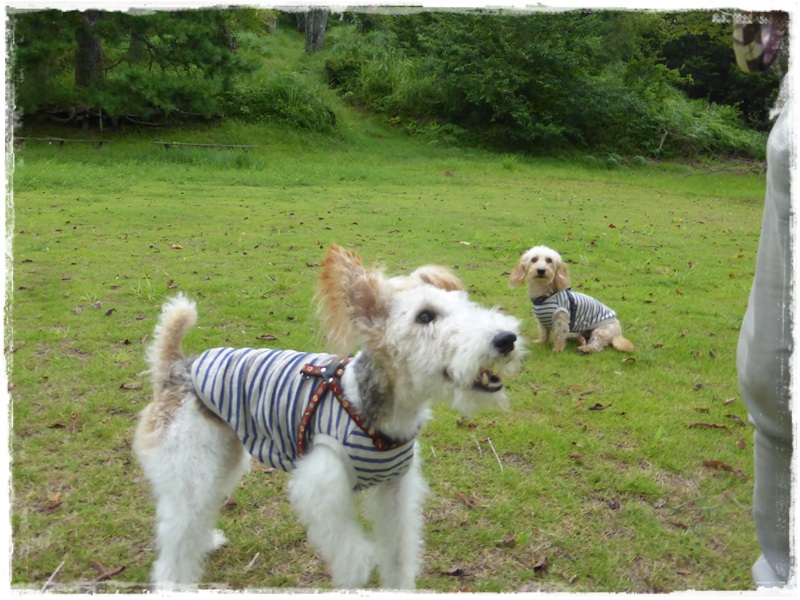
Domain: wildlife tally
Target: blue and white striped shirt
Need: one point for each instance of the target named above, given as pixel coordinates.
(262, 394)
(585, 313)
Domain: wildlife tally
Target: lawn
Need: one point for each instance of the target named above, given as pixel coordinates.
(609, 473)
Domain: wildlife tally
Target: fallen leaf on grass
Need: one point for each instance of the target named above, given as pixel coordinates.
(73, 419)
(541, 564)
(508, 542)
(740, 444)
(737, 420)
(267, 337)
(176, 246)
(105, 574)
(110, 312)
(707, 425)
(51, 508)
(599, 406)
(718, 464)
(130, 386)
(312, 265)
(469, 503)
(454, 572)
(728, 401)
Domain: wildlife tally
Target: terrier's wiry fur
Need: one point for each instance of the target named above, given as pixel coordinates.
(419, 340)
(556, 305)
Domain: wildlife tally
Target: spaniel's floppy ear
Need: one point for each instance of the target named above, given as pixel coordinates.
(351, 303)
(519, 272)
(561, 278)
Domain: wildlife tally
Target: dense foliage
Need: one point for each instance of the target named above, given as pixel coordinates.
(534, 82)
(627, 82)
(698, 45)
(149, 66)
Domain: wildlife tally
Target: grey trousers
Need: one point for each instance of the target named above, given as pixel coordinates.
(763, 363)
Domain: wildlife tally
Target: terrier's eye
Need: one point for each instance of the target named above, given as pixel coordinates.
(548, 260)
(535, 259)
(425, 317)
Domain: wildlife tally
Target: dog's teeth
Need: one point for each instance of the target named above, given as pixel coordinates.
(488, 381)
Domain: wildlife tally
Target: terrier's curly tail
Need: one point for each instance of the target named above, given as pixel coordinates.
(178, 316)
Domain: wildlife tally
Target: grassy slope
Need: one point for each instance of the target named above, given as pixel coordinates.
(616, 500)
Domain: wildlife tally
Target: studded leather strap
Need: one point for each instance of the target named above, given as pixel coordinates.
(331, 380)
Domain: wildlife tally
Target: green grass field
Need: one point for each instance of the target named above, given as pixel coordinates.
(575, 499)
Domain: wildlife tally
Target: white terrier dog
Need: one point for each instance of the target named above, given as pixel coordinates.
(339, 425)
(560, 310)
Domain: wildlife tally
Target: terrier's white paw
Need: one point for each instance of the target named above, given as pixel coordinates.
(352, 570)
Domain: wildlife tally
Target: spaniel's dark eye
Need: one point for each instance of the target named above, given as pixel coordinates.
(548, 260)
(535, 259)
(425, 317)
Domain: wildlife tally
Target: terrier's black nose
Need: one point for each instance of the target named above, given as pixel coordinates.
(541, 272)
(504, 341)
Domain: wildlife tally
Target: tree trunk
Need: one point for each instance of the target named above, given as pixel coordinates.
(137, 48)
(89, 55)
(316, 21)
(230, 41)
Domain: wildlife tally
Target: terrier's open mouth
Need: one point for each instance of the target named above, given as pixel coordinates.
(488, 381)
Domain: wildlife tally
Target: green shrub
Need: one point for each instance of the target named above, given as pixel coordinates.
(285, 97)
(534, 83)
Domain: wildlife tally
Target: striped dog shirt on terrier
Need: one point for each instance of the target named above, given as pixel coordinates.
(264, 394)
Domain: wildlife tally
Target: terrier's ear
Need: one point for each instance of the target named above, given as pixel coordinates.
(439, 277)
(350, 302)
(561, 279)
(518, 274)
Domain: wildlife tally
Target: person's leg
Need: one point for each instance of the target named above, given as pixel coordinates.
(765, 347)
